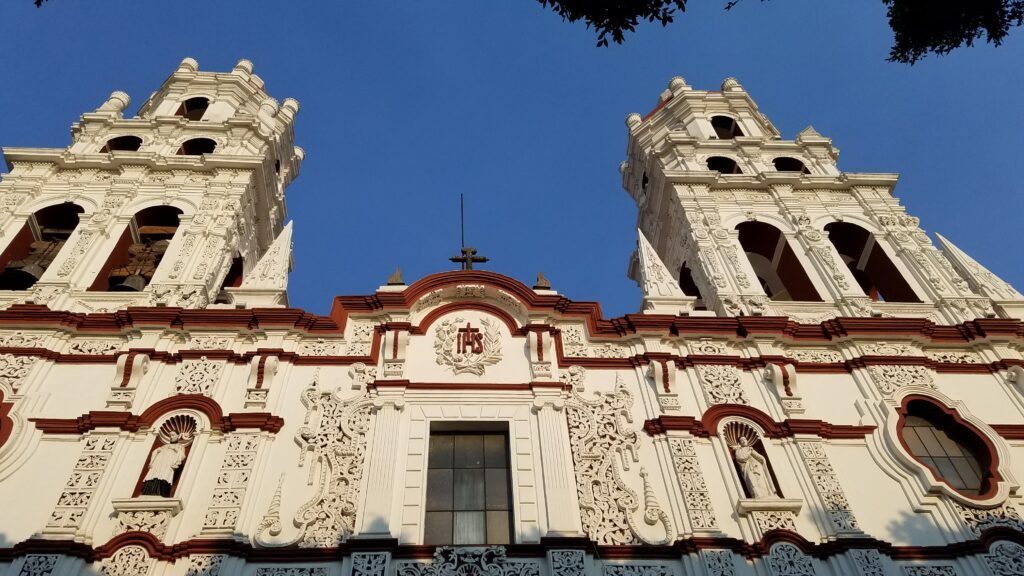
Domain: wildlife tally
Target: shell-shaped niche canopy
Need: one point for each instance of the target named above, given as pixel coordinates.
(734, 432)
(181, 426)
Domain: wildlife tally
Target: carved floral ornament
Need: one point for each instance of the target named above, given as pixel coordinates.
(467, 349)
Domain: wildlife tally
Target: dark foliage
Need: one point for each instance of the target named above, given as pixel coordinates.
(940, 26)
(615, 18)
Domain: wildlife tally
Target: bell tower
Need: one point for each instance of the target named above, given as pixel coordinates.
(750, 223)
(182, 204)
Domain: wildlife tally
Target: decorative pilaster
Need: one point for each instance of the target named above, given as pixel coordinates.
(380, 496)
(559, 481)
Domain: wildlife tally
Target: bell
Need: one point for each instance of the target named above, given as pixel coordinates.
(133, 283)
(20, 278)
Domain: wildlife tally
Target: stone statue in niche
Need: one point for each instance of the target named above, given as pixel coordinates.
(175, 436)
(752, 466)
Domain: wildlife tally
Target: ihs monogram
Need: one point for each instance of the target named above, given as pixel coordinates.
(465, 349)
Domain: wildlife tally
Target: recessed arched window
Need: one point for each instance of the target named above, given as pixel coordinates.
(138, 253)
(869, 264)
(726, 128)
(197, 147)
(777, 268)
(787, 164)
(122, 144)
(690, 287)
(723, 165)
(193, 108)
(37, 244)
(953, 451)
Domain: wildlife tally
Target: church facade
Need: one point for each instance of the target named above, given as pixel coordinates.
(811, 386)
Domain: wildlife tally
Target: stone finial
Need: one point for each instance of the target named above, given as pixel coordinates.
(633, 120)
(188, 65)
(808, 133)
(661, 292)
(731, 84)
(300, 154)
(271, 272)
(542, 282)
(979, 278)
(269, 107)
(396, 278)
(243, 67)
(289, 108)
(117, 102)
(677, 83)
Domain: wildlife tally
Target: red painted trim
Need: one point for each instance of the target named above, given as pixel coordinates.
(261, 367)
(707, 426)
(132, 423)
(6, 423)
(986, 452)
(540, 346)
(505, 317)
(293, 554)
(494, 386)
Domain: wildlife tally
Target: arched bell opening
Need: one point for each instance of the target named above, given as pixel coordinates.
(37, 245)
(139, 251)
(870, 265)
(197, 147)
(122, 144)
(724, 165)
(193, 108)
(726, 128)
(233, 279)
(775, 264)
(690, 288)
(788, 164)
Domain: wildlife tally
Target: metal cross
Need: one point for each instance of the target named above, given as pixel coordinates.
(468, 258)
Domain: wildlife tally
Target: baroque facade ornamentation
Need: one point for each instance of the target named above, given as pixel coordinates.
(14, 368)
(691, 482)
(574, 344)
(469, 561)
(337, 440)
(787, 560)
(94, 347)
(813, 355)
(198, 376)
(291, 572)
(23, 340)
(721, 384)
(718, 562)
(978, 519)
(929, 570)
(320, 347)
(128, 561)
(153, 521)
(826, 484)
(868, 562)
(637, 570)
(774, 520)
(361, 339)
(600, 437)
(462, 359)
(369, 563)
(1005, 559)
(82, 484)
(568, 563)
(891, 377)
(39, 565)
(234, 475)
(205, 564)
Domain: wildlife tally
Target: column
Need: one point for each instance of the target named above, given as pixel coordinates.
(560, 496)
(376, 514)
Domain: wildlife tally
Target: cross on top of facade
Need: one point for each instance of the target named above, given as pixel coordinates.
(468, 258)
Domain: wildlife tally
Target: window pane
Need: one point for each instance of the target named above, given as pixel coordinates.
(950, 446)
(469, 451)
(469, 489)
(439, 489)
(971, 479)
(495, 454)
(498, 528)
(497, 489)
(469, 528)
(948, 473)
(913, 442)
(437, 528)
(440, 452)
(930, 442)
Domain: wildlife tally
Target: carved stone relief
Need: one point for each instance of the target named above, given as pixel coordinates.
(692, 484)
(369, 563)
(891, 378)
(291, 572)
(23, 340)
(601, 438)
(81, 485)
(774, 520)
(1005, 559)
(953, 357)
(868, 562)
(929, 570)
(826, 484)
(14, 368)
(787, 560)
(718, 562)
(336, 437)
(979, 519)
(39, 565)
(573, 376)
(205, 564)
(574, 344)
(128, 561)
(361, 339)
(721, 384)
(226, 503)
(469, 561)
(637, 570)
(568, 563)
(461, 358)
(320, 347)
(94, 347)
(197, 376)
(812, 355)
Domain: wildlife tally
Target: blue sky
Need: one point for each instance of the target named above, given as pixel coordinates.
(407, 104)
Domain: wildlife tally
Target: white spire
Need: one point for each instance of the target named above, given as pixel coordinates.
(267, 283)
(980, 279)
(662, 294)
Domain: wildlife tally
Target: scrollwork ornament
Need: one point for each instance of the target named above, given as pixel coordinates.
(718, 562)
(205, 564)
(787, 560)
(721, 384)
(568, 563)
(929, 571)
(369, 563)
(39, 565)
(868, 562)
(1005, 559)
(637, 570)
(128, 561)
(891, 378)
(469, 561)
